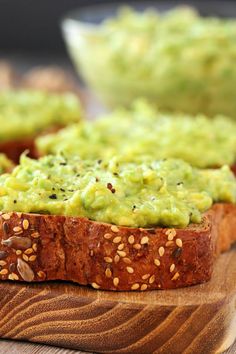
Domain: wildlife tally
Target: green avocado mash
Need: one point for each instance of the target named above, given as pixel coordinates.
(143, 132)
(5, 164)
(27, 113)
(179, 60)
(168, 192)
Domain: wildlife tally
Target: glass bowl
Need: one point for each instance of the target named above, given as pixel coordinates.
(199, 78)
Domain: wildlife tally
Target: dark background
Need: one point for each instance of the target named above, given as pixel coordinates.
(33, 25)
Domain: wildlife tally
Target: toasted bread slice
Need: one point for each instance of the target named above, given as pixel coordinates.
(45, 247)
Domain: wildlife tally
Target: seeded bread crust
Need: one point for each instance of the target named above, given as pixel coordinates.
(43, 247)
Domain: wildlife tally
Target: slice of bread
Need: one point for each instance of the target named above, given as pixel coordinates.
(45, 247)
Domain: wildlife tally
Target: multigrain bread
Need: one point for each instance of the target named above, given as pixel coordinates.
(45, 247)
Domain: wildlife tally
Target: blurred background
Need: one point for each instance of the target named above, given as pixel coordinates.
(32, 27)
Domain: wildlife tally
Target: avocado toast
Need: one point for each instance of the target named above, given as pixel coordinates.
(112, 224)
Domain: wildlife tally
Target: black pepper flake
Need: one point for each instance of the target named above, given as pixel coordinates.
(180, 183)
(97, 179)
(14, 201)
(99, 162)
(61, 189)
(63, 163)
(53, 196)
(113, 190)
(177, 252)
(134, 207)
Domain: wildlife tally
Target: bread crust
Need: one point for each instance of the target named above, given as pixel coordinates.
(14, 148)
(45, 247)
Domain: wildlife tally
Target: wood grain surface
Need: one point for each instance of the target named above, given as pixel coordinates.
(200, 319)
(14, 347)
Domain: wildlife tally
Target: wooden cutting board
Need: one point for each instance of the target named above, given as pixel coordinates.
(200, 319)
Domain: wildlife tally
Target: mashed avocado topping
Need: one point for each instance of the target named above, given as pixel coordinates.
(144, 132)
(180, 60)
(168, 192)
(27, 113)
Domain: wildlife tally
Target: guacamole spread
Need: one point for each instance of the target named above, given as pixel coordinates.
(144, 132)
(177, 59)
(166, 192)
(27, 113)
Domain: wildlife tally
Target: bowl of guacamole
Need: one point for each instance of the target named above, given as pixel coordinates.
(177, 59)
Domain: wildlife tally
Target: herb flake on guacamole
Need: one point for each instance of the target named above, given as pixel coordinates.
(159, 193)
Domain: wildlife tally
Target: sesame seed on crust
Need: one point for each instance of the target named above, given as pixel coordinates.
(4, 271)
(176, 276)
(114, 228)
(116, 281)
(161, 251)
(121, 247)
(151, 279)
(25, 224)
(144, 240)
(6, 216)
(116, 258)
(108, 273)
(146, 276)
(108, 259)
(32, 258)
(137, 246)
(131, 239)
(127, 260)
(95, 286)
(26, 258)
(179, 242)
(130, 270)
(107, 236)
(117, 239)
(135, 286)
(121, 253)
(143, 287)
